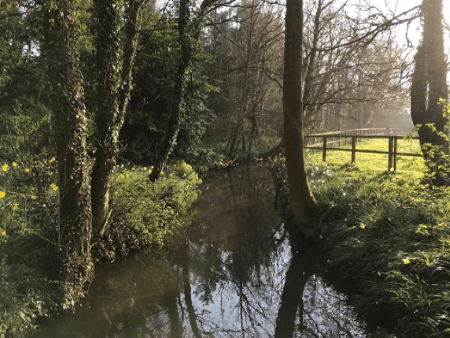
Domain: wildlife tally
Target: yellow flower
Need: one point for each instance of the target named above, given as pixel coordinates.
(2, 194)
(122, 165)
(14, 164)
(362, 226)
(406, 261)
(116, 193)
(121, 176)
(53, 187)
(15, 206)
(5, 167)
(52, 160)
(145, 168)
(27, 170)
(33, 197)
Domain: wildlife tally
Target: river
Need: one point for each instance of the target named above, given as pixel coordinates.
(237, 275)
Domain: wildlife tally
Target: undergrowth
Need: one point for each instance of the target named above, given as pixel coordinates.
(144, 214)
(390, 240)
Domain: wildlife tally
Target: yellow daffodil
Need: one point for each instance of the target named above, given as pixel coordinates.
(14, 164)
(52, 160)
(5, 167)
(27, 170)
(2, 194)
(362, 226)
(406, 261)
(53, 187)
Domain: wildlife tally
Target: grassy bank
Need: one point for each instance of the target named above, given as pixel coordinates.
(391, 238)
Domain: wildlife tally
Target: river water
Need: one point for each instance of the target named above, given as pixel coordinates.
(237, 275)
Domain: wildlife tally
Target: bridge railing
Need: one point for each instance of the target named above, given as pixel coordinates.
(332, 141)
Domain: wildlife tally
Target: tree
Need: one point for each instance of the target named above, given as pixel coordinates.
(114, 64)
(189, 29)
(84, 203)
(428, 89)
(301, 197)
(346, 68)
(245, 55)
(73, 248)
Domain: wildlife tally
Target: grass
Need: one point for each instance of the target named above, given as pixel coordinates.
(391, 237)
(378, 162)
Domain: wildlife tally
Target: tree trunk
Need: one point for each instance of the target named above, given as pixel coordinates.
(301, 198)
(431, 71)
(177, 107)
(419, 90)
(69, 121)
(114, 86)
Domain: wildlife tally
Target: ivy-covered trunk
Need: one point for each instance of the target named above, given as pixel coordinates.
(428, 89)
(73, 247)
(114, 65)
(301, 197)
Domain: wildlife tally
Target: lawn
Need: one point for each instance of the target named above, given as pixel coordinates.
(375, 162)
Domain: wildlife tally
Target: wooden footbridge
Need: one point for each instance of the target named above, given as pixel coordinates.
(333, 141)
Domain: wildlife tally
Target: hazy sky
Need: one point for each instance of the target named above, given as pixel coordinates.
(415, 31)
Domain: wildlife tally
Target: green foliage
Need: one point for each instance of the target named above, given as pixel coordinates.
(152, 96)
(206, 158)
(28, 206)
(391, 240)
(148, 213)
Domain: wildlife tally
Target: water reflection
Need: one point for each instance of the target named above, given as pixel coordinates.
(235, 276)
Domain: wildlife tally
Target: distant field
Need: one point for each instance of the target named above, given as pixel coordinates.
(376, 162)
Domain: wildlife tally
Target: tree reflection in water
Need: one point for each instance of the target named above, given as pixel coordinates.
(234, 276)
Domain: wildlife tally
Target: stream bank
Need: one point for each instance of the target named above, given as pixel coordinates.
(238, 274)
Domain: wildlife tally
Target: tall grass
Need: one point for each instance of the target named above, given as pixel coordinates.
(391, 236)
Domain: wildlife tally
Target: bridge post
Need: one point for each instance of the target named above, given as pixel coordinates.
(395, 153)
(353, 149)
(390, 153)
(324, 152)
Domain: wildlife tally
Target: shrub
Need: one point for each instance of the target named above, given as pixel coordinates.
(28, 206)
(146, 213)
